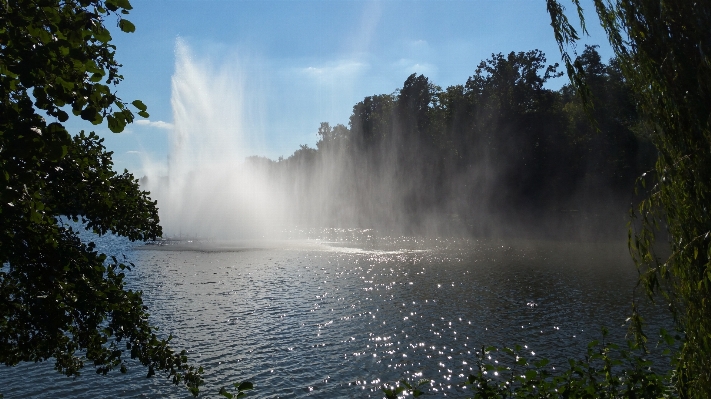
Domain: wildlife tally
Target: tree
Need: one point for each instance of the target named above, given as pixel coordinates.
(413, 106)
(59, 297)
(614, 149)
(518, 130)
(664, 51)
(371, 120)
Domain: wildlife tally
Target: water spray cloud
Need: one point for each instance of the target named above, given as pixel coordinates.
(209, 190)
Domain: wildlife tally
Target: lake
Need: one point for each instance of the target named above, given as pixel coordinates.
(340, 312)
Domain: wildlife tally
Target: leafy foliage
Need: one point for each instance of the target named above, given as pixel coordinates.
(664, 52)
(405, 386)
(240, 389)
(59, 297)
(606, 371)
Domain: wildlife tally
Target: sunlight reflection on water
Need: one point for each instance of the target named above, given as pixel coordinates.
(338, 317)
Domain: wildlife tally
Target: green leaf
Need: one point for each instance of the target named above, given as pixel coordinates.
(102, 34)
(90, 114)
(125, 4)
(127, 26)
(530, 374)
(245, 386)
(115, 125)
(139, 104)
(62, 116)
(226, 394)
(57, 151)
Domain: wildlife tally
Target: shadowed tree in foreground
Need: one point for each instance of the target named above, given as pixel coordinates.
(59, 297)
(664, 51)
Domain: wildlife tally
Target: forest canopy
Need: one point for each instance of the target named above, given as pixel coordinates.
(500, 154)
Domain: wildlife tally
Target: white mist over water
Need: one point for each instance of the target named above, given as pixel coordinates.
(209, 190)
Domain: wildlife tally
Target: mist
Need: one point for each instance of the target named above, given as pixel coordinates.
(209, 190)
(498, 156)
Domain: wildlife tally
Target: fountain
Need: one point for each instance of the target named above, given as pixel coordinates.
(210, 190)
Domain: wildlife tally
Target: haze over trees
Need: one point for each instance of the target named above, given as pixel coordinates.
(500, 155)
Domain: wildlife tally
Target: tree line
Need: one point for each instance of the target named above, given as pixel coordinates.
(501, 154)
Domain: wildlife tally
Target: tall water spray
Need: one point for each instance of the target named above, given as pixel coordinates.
(209, 190)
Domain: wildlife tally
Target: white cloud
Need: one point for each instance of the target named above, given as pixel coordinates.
(336, 70)
(408, 66)
(157, 124)
(419, 44)
(133, 152)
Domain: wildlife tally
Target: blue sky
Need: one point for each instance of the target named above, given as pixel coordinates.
(303, 62)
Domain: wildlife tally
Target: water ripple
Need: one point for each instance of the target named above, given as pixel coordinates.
(339, 319)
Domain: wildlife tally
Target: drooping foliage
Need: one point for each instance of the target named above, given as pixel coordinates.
(663, 50)
(59, 297)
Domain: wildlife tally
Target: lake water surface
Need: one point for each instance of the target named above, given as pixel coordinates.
(341, 314)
